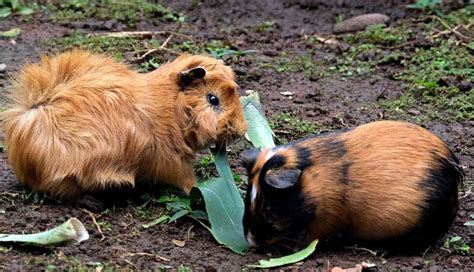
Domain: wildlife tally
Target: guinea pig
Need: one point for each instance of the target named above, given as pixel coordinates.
(381, 182)
(80, 122)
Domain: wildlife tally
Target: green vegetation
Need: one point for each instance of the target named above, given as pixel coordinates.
(264, 26)
(101, 44)
(301, 63)
(8, 7)
(290, 122)
(114, 46)
(457, 243)
(128, 12)
(437, 76)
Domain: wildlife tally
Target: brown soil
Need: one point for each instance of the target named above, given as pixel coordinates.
(331, 102)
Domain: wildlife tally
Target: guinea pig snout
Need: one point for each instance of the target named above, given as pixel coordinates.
(251, 239)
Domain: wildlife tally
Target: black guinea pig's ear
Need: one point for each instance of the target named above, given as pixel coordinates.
(249, 157)
(187, 77)
(282, 178)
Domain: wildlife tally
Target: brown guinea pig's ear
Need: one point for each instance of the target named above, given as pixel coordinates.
(249, 157)
(187, 77)
(282, 178)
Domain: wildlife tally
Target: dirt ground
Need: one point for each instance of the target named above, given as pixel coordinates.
(321, 100)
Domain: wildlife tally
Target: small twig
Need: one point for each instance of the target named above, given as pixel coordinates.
(426, 251)
(126, 34)
(281, 132)
(188, 236)
(442, 22)
(373, 253)
(146, 254)
(162, 47)
(91, 215)
(9, 194)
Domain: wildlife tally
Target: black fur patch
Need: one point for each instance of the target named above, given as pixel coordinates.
(304, 157)
(279, 213)
(345, 172)
(332, 147)
(440, 207)
(249, 157)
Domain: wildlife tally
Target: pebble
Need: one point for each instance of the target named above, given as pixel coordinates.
(3, 67)
(360, 22)
(456, 262)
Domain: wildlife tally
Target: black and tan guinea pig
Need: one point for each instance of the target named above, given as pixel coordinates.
(80, 122)
(382, 181)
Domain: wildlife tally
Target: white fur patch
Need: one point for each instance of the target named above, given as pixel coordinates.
(270, 153)
(251, 239)
(253, 194)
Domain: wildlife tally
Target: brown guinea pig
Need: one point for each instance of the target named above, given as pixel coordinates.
(81, 122)
(379, 182)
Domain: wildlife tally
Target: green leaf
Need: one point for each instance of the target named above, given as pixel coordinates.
(469, 223)
(15, 4)
(178, 215)
(290, 259)
(5, 12)
(259, 132)
(24, 11)
(156, 221)
(199, 215)
(10, 33)
(225, 210)
(455, 239)
(69, 233)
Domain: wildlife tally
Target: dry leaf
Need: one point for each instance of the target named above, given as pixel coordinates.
(358, 268)
(178, 242)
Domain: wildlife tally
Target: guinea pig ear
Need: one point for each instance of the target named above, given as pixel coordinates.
(249, 157)
(282, 178)
(187, 77)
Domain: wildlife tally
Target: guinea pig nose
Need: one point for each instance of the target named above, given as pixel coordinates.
(251, 239)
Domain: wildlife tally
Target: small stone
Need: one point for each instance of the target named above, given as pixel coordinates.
(414, 112)
(360, 22)
(270, 53)
(455, 262)
(287, 94)
(3, 67)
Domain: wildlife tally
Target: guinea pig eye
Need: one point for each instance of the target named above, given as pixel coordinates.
(213, 100)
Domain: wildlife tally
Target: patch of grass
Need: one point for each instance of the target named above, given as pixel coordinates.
(427, 77)
(381, 35)
(101, 44)
(457, 243)
(300, 63)
(8, 7)
(437, 78)
(215, 48)
(290, 122)
(203, 166)
(113, 46)
(357, 61)
(128, 12)
(105, 225)
(265, 26)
